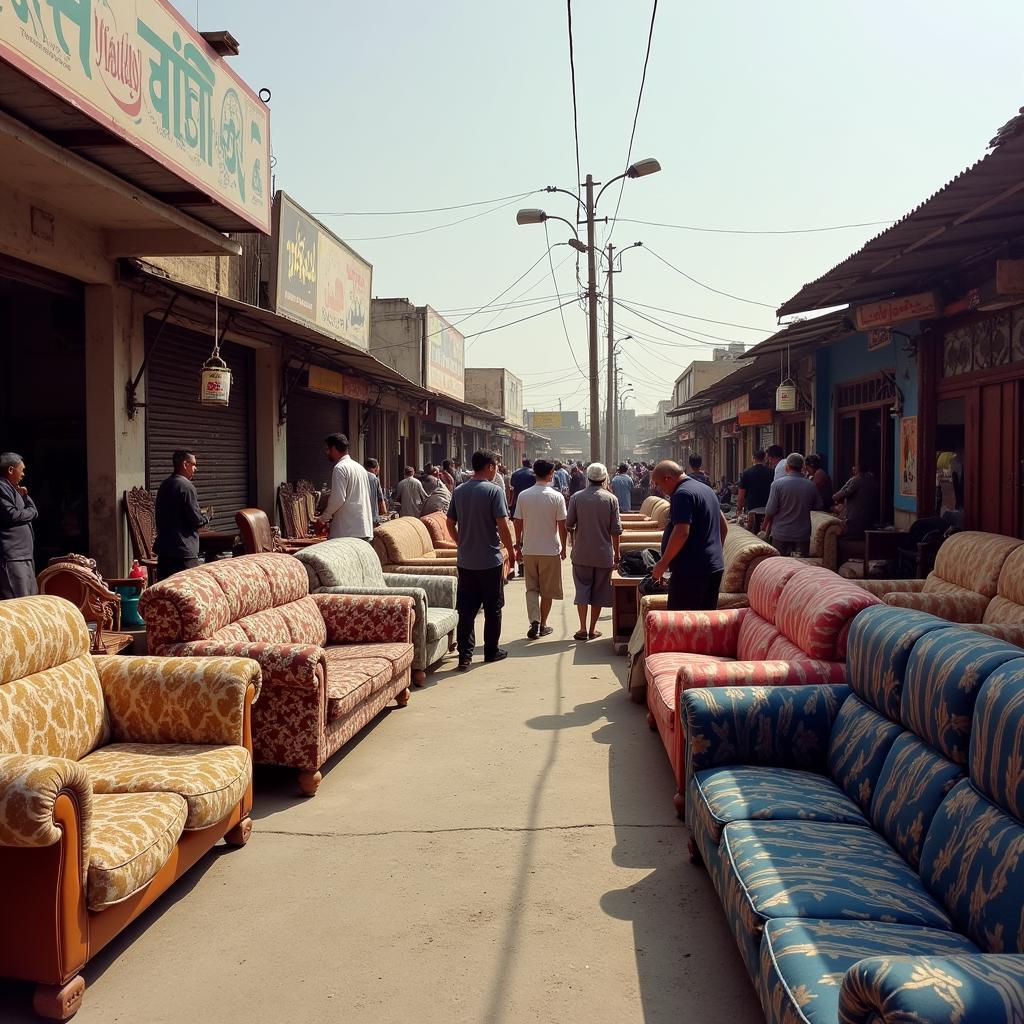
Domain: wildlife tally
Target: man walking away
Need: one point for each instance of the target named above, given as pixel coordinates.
(410, 494)
(788, 513)
(691, 548)
(593, 515)
(445, 473)
(457, 472)
(540, 546)
(378, 506)
(349, 508)
(438, 496)
(577, 480)
(178, 518)
(696, 473)
(562, 480)
(622, 487)
(478, 523)
(776, 458)
(17, 539)
(519, 481)
(754, 485)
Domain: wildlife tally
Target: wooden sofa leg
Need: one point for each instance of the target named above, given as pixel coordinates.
(403, 697)
(59, 1002)
(419, 677)
(680, 801)
(651, 723)
(695, 854)
(309, 782)
(452, 644)
(239, 835)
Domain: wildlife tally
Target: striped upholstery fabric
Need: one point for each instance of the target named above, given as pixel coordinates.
(768, 581)
(858, 747)
(997, 748)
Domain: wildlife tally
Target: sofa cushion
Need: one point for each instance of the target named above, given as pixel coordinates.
(783, 649)
(437, 526)
(803, 962)
(767, 583)
(815, 607)
(995, 752)
(212, 779)
(913, 782)
(971, 560)
(399, 654)
(133, 835)
(342, 562)
(351, 681)
(740, 550)
(755, 637)
(298, 622)
(401, 539)
(755, 793)
(440, 622)
(860, 742)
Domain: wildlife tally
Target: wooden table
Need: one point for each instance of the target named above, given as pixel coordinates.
(215, 542)
(625, 609)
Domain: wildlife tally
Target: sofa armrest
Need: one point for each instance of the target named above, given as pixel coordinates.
(440, 590)
(301, 666)
(410, 590)
(1011, 633)
(963, 607)
(30, 786)
(366, 620)
(715, 633)
(433, 568)
(179, 700)
(779, 726)
(880, 588)
(933, 989)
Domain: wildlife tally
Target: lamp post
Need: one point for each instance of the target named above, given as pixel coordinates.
(588, 205)
(627, 392)
(610, 454)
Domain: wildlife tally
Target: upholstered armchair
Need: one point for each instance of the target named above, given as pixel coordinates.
(437, 526)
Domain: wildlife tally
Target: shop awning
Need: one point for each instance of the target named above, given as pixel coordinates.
(804, 336)
(978, 211)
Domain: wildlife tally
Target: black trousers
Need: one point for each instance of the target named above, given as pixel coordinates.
(169, 566)
(694, 593)
(479, 587)
(17, 579)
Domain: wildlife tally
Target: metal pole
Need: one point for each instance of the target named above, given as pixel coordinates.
(595, 409)
(612, 411)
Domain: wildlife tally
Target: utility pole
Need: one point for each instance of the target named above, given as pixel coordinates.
(595, 409)
(612, 411)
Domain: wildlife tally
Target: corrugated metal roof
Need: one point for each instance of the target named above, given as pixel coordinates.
(981, 209)
(803, 335)
(735, 383)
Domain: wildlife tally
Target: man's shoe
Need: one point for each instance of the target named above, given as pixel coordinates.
(499, 655)
(464, 664)
(534, 631)
(546, 630)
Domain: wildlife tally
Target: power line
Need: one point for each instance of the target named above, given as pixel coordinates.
(703, 319)
(561, 312)
(572, 71)
(406, 213)
(701, 284)
(745, 231)
(512, 323)
(439, 227)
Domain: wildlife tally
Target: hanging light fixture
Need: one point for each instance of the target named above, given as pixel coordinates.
(785, 393)
(216, 377)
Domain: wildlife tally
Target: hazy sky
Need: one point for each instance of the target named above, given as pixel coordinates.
(765, 116)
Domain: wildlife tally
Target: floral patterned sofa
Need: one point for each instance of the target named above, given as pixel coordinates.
(116, 775)
(349, 566)
(404, 545)
(826, 529)
(866, 840)
(743, 552)
(795, 631)
(331, 663)
(437, 526)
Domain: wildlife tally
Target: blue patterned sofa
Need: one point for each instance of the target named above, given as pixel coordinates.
(866, 839)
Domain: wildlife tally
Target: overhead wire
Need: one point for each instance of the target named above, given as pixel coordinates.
(752, 231)
(431, 209)
(561, 312)
(704, 319)
(439, 227)
(701, 284)
(572, 74)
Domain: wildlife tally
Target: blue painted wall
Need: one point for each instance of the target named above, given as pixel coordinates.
(849, 360)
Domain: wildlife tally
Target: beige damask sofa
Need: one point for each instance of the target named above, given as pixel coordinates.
(116, 775)
(826, 529)
(404, 545)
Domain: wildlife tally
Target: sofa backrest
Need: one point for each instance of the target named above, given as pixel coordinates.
(648, 504)
(437, 526)
(826, 529)
(1007, 607)
(660, 513)
(343, 562)
(971, 560)
(254, 597)
(401, 539)
(51, 701)
(768, 581)
(742, 550)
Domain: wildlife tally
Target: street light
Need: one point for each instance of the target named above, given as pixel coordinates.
(626, 392)
(588, 204)
(614, 412)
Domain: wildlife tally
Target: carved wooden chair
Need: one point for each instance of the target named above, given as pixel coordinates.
(296, 521)
(258, 536)
(140, 511)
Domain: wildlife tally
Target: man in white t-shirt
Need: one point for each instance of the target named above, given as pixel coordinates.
(349, 508)
(540, 545)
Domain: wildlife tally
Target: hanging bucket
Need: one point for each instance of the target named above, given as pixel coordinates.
(216, 382)
(785, 398)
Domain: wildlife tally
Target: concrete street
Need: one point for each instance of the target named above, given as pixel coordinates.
(504, 850)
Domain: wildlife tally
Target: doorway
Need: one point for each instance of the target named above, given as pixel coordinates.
(864, 438)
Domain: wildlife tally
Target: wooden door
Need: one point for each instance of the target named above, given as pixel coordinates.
(993, 498)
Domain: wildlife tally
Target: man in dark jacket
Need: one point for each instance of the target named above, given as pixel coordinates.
(178, 518)
(17, 513)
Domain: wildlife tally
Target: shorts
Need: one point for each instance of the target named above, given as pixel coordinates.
(544, 575)
(593, 585)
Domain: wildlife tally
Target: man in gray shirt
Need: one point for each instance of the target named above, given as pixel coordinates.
(410, 494)
(788, 514)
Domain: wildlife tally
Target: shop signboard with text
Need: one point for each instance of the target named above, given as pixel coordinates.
(547, 421)
(887, 312)
(731, 409)
(139, 70)
(317, 278)
(444, 370)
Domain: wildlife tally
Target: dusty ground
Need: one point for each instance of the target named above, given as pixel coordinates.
(503, 850)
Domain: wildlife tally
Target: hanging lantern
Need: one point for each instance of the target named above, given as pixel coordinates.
(785, 397)
(215, 387)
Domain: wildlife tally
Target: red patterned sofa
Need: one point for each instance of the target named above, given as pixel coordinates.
(794, 631)
(437, 526)
(331, 663)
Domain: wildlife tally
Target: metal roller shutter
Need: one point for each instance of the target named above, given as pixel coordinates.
(311, 417)
(219, 436)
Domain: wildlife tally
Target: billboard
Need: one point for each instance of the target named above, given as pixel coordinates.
(317, 278)
(513, 395)
(444, 369)
(139, 70)
(547, 421)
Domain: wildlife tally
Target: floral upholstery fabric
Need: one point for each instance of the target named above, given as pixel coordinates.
(860, 742)
(437, 526)
(962, 606)
(361, 620)
(803, 963)
(342, 562)
(351, 681)
(939, 989)
(177, 700)
(399, 655)
(995, 752)
(814, 608)
(882, 587)
(974, 560)
(425, 567)
(743, 551)
(693, 632)
(296, 665)
(1008, 604)
(39, 633)
(133, 839)
(401, 540)
(211, 779)
(299, 622)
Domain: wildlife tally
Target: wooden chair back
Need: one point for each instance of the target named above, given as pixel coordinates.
(140, 512)
(256, 532)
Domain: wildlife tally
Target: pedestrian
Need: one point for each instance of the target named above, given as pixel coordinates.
(17, 537)
(349, 509)
(696, 473)
(478, 523)
(445, 473)
(776, 459)
(691, 548)
(788, 512)
(520, 480)
(577, 480)
(818, 475)
(438, 496)
(622, 486)
(410, 494)
(378, 506)
(540, 546)
(859, 497)
(754, 485)
(561, 481)
(178, 518)
(593, 516)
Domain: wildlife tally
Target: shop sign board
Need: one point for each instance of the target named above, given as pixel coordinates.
(317, 279)
(513, 394)
(879, 337)
(887, 312)
(547, 421)
(139, 70)
(445, 368)
(731, 409)
(343, 385)
(476, 424)
(443, 415)
(755, 417)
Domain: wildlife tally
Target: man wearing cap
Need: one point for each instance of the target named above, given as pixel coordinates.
(593, 515)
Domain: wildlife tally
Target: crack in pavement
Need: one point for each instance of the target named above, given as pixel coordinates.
(450, 831)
